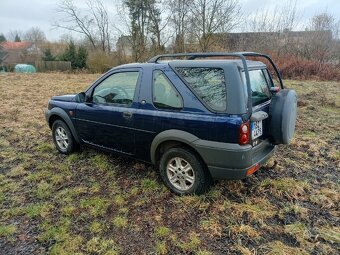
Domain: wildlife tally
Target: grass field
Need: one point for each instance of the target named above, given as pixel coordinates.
(96, 203)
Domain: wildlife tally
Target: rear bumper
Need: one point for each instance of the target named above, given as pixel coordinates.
(232, 161)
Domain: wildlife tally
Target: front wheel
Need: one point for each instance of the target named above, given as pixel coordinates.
(183, 172)
(63, 138)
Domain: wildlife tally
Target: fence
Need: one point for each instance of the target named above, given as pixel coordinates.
(47, 66)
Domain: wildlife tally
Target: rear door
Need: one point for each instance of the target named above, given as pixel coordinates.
(260, 82)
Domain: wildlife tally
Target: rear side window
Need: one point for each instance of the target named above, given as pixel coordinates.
(165, 96)
(208, 84)
(260, 92)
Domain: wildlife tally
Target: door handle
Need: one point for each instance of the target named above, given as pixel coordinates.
(127, 115)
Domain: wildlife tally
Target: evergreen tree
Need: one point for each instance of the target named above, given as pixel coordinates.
(70, 54)
(77, 58)
(2, 38)
(17, 38)
(48, 55)
(81, 57)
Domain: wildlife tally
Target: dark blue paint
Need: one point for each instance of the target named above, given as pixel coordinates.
(105, 127)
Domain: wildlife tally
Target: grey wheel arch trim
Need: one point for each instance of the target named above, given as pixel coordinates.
(171, 135)
(63, 115)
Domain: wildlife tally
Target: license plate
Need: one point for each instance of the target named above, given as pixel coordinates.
(256, 129)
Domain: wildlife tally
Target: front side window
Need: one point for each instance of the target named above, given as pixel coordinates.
(260, 92)
(165, 96)
(119, 88)
(208, 83)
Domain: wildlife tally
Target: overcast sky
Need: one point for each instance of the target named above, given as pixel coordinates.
(24, 14)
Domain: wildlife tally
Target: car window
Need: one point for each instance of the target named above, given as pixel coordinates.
(119, 88)
(208, 83)
(165, 96)
(269, 79)
(259, 86)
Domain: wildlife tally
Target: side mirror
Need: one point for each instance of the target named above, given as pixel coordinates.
(82, 98)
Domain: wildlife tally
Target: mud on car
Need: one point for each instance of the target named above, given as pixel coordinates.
(195, 117)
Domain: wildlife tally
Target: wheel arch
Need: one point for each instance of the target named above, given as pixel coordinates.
(172, 138)
(58, 113)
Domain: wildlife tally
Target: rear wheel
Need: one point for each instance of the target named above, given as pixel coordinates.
(63, 138)
(183, 172)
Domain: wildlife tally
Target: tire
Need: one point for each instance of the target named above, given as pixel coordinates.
(63, 138)
(193, 179)
(283, 112)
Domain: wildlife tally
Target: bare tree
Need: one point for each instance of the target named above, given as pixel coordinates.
(325, 22)
(93, 24)
(322, 44)
(138, 17)
(13, 34)
(282, 17)
(35, 35)
(211, 16)
(102, 22)
(157, 24)
(272, 28)
(179, 20)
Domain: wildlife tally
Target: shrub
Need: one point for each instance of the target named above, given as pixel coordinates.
(293, 67)
(100, 62)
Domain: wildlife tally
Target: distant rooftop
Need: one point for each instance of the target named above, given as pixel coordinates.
(16, 45)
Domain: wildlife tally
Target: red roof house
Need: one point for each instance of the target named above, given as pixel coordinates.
(20, 52)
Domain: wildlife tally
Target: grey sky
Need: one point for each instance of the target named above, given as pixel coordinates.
(22, 14)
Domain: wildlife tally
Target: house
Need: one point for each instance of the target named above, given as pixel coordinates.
(19, 52)
(3, 55)
(124, 45)
(246, 40)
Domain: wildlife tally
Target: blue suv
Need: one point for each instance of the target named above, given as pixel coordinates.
(195, 116)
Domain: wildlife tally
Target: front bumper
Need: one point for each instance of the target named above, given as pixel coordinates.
(232, 161)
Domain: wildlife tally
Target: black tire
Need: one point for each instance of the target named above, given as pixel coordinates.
(202, 178)
(283, 112)
(71, 143)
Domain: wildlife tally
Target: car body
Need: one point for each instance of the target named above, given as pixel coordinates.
(200, 111)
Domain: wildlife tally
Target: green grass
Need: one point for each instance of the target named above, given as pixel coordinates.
(96, 227)
(102, 246)
(330, 234)
(43, 190)
(7, 230)
(36, 210)
(96, 206)
(162, 231)
(120, 222)
(149, 185)
(161, 248)
(192, 244)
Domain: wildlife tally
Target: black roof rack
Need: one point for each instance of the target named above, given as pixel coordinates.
(241, 55)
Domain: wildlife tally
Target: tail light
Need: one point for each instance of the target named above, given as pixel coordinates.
(244, 133)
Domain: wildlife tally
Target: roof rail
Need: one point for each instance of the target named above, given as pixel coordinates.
(241, 55)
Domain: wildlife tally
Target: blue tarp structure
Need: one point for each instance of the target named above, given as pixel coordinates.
(24, 68)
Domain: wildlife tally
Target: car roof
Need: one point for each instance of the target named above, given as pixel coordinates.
(198, 62)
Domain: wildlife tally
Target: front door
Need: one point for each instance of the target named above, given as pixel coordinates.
(107, 120)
